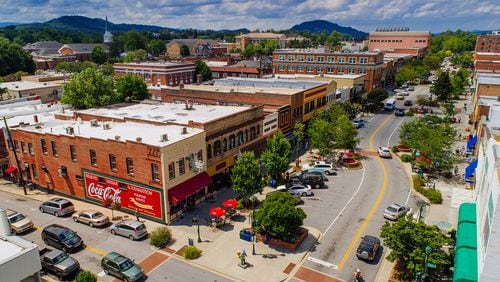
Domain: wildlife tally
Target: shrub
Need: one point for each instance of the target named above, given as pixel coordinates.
(160, 237)
(433, 195)
(418, 182)
(406, 158)
(409, 113)
(86, 276)
(394, 149)
(192, 252)
(356, 157)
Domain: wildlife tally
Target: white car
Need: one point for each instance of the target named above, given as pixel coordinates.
(296, 188)
(395, 211)
(325, 167)
(400, 96)
(384, 152)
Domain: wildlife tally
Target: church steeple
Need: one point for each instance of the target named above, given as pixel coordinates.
(108, 37)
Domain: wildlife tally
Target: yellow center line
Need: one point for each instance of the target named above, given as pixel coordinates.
(375, 205)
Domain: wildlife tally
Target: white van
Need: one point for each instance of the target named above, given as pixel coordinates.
(390, 104)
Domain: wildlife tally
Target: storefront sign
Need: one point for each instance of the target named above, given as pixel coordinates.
(132, 197)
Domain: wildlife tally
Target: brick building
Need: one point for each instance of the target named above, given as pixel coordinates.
(148, 168)
(322, 62)
(81, 51)
(487, 53)
(46, 91)
(158, 73)
(399, 41)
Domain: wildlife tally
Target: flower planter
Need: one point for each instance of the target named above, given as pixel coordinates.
(351, 163)
(403, 148)
(286, 245)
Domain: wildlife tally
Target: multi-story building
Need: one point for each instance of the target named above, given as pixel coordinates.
(46, 91)
(151, 169)
(399, 40)
(487, 88)
(260, 37)
(158, 73)
(196, 47)
(487, 53)
(251, 69)
(322, 62)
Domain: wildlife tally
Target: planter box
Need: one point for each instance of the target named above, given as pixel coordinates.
(289, 246)
(403, 148)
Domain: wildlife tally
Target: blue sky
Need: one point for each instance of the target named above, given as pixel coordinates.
(365, 15)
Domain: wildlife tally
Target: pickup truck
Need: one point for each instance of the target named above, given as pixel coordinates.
(58, 263)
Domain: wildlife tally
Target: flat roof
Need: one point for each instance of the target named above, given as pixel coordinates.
(268, 83)
(12, 247)
(400, 33)
(312, 76)
(154, 64)
(169, 112)
(322, 51)
(488, 79)
(242, 89)
(127, 131)
(27, 85)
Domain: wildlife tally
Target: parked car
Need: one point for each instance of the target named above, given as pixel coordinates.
(61, 238)
(411, 88)
(326, 168)
(132, 229)
(384, 152)
(91, 217)
(405, 93)
(395, 211)
(408, 103)
(400, 96)
(302, 190)
(58, 263)
(122, 267)
(313, 180)
(358, 123)
(399, 112)
(315, 172)
(19, 223)
(57, 207)
(368, 248)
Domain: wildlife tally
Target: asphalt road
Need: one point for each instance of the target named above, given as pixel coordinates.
(353, 204)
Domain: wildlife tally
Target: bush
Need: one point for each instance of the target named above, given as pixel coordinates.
(433, 195)
(86, 276)
(394, 149)
(160, 237)
(418, 182)
(192, 252)
(406, 158)
(409, 113)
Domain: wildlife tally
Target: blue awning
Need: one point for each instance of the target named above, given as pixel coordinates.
(472, 142)
(469, 171)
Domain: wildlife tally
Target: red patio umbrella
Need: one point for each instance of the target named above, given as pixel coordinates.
(217, 212)
(230, 203)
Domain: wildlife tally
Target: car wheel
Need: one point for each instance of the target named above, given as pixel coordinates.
(13, 231)
(327, 172)
(91, 224)
(113, 231)
(75, 219)
(56, 214)
(106, 271)
(317, 186)
(66, 250)
(131, 237)
(41, 210)
(304, 194)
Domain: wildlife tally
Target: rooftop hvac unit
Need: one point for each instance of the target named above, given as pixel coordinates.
(70, 130)
(106, 126)
(164, 137)
(93, 123)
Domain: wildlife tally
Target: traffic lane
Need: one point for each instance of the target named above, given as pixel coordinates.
(176, 270)
(373, 123)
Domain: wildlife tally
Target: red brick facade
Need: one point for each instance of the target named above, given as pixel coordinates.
(164, 74)
(400, 42)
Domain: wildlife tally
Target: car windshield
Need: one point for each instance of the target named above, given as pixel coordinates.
(97, 215)
(16, 218)
(66, 235)
(392, 209)
(126, 264)
(140, 227)
(61, 257)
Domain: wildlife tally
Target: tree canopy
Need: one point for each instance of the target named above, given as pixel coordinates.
(133, 40)
(184, 51)
(99, 55)
(245, 175)
(407, 239)
(132, 86)
(75, 67)
(374, 99)
(156, 47)
(203, 69)
(279, 216)
(88, 89)
(276, 158)
(442, 86)
(13, 58)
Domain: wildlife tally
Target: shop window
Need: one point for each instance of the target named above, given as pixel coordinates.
(155, 172)
(217, 148)
(130, 166)
(182, 168)
(72, 152)
(112, 162)
(30, 149)
(93, 158)
(54, 148)
(44, 146)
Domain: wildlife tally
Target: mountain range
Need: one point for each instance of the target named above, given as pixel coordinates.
(96, 25)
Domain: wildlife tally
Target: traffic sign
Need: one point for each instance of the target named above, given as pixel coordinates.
(431, 265)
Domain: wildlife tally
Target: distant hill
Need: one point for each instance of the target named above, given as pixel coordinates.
(481, 32)
(4, 24)
(318, 26)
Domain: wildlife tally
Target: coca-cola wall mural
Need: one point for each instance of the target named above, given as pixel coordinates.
(133, 197)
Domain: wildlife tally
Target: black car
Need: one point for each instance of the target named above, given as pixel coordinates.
(314, 180)
(408, 103)
(61, 238)
(399, 112)
(368, 248)
(323, 176)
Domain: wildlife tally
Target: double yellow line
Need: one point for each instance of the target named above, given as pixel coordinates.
(375, 205)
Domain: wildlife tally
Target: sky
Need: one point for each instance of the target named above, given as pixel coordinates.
(364, 15)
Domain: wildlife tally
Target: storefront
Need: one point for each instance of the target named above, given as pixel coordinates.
(187, 195)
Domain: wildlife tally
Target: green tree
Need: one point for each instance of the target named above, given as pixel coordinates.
(133, 40)
(277, 155)
(132, 86)
(334, 39)
(156, 47)
(99, 55)
(245, 175)
(184, 51)
(88, 89)
(280, 217)
(248, 52)
(299, 130)
(407, 240)
(13, 58)
(375, 99)
(107, 69)
(86, 276)
(351, 110)
(457, 86)
(203, 69)
(442, 87)
(432, 61)
(137, 55)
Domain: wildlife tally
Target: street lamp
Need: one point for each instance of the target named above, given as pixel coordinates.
(428, 250)
(253, 224)
(196, 221)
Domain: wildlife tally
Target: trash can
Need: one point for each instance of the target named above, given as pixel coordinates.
(245, 235)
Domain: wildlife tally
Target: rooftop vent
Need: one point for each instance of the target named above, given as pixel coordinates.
(117, 137)
(184, 130)
(93, 123)
(106, 126)
(138, 139)
(70, 130)
(164, 137)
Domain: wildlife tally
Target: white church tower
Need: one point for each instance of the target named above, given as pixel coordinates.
(108, 37)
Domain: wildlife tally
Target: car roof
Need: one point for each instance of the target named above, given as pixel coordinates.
(58, 200)
(131, 222)
(367, 243)
(90, 211)
(383, 148)
(56, 228)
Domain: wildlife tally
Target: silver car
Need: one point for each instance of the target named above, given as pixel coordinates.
(57, 207)
(296, 188)
(395, 211)
(19, 223)
(91, 217)
(129, 228)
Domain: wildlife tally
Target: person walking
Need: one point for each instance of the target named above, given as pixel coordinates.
(136, 214)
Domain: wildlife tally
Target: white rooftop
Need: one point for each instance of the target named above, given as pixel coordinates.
(126, 131)
(488, 79)
(312, 76)
(12, 247)
(154, 64)
(169, 112)
(26, 85)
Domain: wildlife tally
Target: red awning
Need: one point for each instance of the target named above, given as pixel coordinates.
(10, 169)
(186, 188)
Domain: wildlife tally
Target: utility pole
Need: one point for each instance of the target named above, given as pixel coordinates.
(21, 179)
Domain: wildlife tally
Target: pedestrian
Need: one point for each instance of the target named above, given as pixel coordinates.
(136, 214)
(457, 150)
(455, 169)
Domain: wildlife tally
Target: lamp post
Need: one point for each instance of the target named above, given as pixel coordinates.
(196, 221)
(428, 250)
(253, 225)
